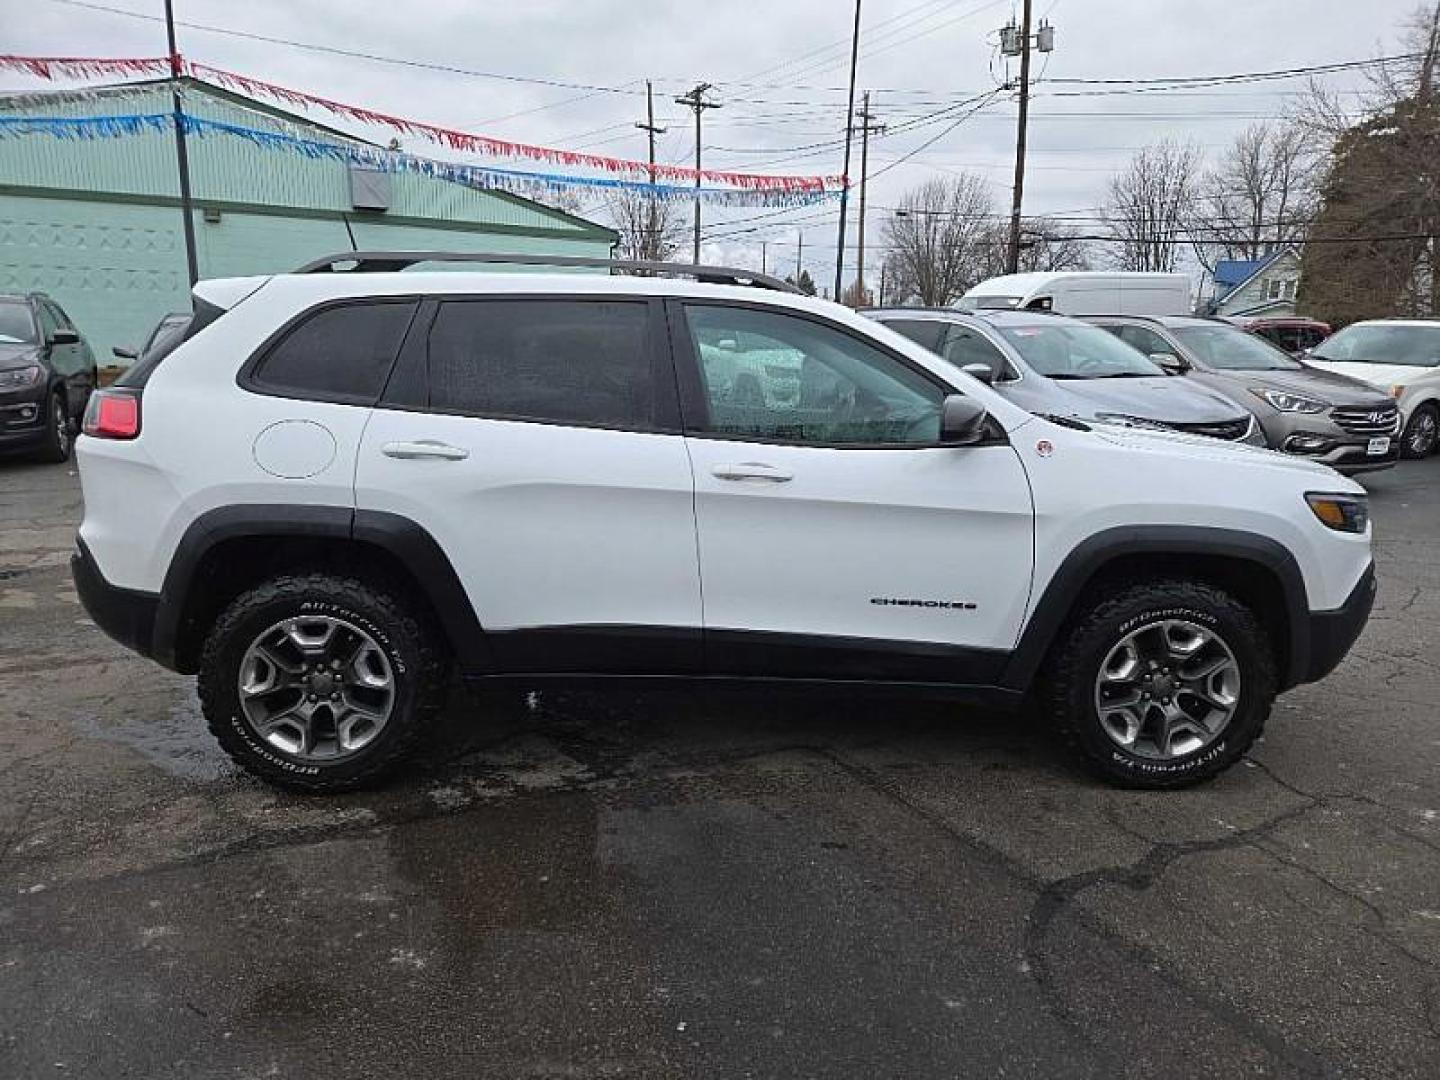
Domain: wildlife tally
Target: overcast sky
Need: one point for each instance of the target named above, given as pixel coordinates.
(779, 69)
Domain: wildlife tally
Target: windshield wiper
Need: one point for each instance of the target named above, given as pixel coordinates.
(1065, 421)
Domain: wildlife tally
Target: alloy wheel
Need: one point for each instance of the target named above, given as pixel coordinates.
(1422, 434)
(316, 687)
(1167, 689)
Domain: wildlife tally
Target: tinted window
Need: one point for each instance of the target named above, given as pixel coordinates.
(927, 333)
(1147, 341)
(1227, 348)
(1384, 343)
(966, 346)
(783, 378)
(566, 361)
(1067, 350)
(342, 352)
(17, 325)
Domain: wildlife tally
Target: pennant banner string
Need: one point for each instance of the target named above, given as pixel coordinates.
(51, 67)
(483, 177)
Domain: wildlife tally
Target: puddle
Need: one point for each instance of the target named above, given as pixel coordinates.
(177, 741)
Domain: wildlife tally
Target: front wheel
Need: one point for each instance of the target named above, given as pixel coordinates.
(1163, 685)
(320, 683)
(55, 443)
(1421, 433)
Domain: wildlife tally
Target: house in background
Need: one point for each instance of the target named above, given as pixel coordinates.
(1255, 287)
(96, 222)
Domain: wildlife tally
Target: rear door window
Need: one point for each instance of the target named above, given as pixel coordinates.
(927, 333)
(339, 353)
(577, 362)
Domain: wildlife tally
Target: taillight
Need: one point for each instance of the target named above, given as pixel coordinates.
(112, 415)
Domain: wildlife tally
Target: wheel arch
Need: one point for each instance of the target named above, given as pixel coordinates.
(1256, 569)
(230, 549)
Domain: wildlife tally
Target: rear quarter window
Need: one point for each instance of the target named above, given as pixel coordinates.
(341, 353)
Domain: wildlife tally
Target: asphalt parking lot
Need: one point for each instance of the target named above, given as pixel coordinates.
(578, 886)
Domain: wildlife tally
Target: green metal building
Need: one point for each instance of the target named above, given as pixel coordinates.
(96, 222)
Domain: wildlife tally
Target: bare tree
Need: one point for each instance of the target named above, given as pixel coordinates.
(1047, 245)
(650, 229)
(938, 240)
(1261, 197)
(1148, 204)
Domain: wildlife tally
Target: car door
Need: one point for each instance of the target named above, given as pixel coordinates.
(837, 540)
(537, 440)
(74, 361)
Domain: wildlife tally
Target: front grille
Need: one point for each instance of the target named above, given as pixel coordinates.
(1362, 420)
(1227, 429)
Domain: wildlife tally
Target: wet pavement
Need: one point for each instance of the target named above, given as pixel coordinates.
(677, 886)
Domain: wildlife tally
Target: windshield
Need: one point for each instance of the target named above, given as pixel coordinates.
(989, 303)
(16, 325)
(1382, 343)
(1067, 351)
(1228, 349)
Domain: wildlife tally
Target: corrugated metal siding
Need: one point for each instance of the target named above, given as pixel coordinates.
(227, 169)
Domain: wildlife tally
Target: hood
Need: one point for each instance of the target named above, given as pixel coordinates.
(1219, 450)
(17, 355)
(1328, 386)
(1381, 375)
(1166, 398)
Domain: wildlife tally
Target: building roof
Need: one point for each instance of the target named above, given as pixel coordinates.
(1231, 272)
(228, 172)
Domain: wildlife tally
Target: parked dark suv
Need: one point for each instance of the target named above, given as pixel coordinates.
(47, 373)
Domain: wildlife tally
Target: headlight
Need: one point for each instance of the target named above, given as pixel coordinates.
(17, 378)
(1283, 401)
(1343, 513)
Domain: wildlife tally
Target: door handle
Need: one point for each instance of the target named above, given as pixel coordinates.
(751, 470)
(424, 448)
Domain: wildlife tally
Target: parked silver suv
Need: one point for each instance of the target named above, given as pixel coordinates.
(1321, 415)
(1051, 365)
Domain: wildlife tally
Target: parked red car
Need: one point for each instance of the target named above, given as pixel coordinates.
(1292, 333)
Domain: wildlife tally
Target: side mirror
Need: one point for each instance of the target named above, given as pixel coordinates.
(984, 372)
(124, 353)
(1170, 362)
(64, 337)
(962, 421)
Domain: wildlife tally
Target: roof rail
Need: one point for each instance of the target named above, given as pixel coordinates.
(382, 261)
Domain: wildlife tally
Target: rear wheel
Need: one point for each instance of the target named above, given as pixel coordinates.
(55, 444)
(1163, 685)
(1421, 433)
(320, 683)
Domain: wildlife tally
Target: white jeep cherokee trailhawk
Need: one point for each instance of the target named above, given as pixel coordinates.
(346, 485)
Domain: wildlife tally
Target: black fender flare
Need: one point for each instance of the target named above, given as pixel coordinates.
(403, 539)
(1089, 557)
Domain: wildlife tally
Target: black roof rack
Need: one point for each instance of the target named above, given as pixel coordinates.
(388, 261)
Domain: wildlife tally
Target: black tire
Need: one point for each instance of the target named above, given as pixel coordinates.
(1069, 692)
(55, 444)
(1420, 437)
(412, 647)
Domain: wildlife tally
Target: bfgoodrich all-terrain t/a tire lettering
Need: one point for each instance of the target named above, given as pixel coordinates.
(412, 660)
(1192, 612)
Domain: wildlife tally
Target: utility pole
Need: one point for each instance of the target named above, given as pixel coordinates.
(650, 248)
(1017, 42)
(866, 127)
(799, 254)
(764, 264)
(695, 99)
(182, 156)
(849, 129)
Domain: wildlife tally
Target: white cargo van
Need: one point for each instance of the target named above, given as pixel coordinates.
(1088, 293)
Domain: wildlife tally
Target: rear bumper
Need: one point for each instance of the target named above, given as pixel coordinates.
(126, 615)
(1332, 633)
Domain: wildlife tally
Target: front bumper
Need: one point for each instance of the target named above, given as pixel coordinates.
(1332, 633)
(126, 615)
(22, 417)
(1318, 438)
